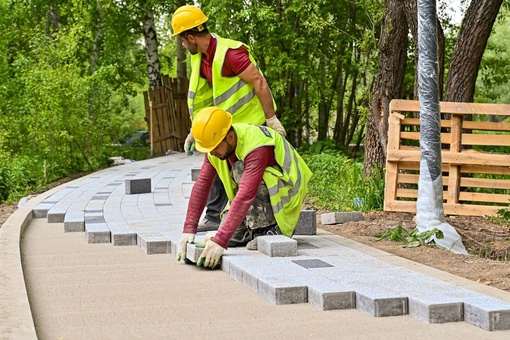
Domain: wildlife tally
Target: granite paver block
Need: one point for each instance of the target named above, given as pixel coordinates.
(97, 233)
(41, 210)
(193, 252)
(277, 245)
(56, 214)
(341, 217)
(487, 313)
(154, 244)
(55, 217)
(194, 174)
(380, 302)
(307, 223)
(74, 222)
(281, 291)
(138, 186)
(329, 299)
(436, 313)
(124, 237)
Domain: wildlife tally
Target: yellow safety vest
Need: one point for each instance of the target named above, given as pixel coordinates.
(287, 185)
(232, 94)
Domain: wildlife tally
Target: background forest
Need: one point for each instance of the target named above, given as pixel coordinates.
(72, 73)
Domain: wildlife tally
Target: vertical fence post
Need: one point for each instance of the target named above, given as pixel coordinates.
(454, 169)
(151, 128)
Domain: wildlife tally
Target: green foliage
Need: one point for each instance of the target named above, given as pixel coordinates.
(410, 239)
(493, 83)
(18, 177)
(338, 183)
(68, 89)
(502, 217)
(311, 53)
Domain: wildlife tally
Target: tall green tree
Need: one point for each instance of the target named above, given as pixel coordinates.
(461, 76)
(68, 71)
(315, 55)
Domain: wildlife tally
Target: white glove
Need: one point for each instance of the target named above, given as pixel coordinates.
(211, 255)
(189, 144)
(183, 245)
(275, 124)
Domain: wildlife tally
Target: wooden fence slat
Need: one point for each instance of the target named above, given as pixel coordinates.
(169, 127)
(460, 158)
(403, 105)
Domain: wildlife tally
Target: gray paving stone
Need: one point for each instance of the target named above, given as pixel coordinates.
(97, 233)
(280, 291)
(41, 210)
(55, 217)
(330, 297)
(194, 174)
(487, 313)
(379, 303)
(193, 252)
(436, 313)
(307, 223)
(154, 244)
(74, 222)
(341, 217)
(123, 237)
(138, 186)
(277, 245)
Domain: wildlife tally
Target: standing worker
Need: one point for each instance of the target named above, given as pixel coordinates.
(223, 74)
(265, 179)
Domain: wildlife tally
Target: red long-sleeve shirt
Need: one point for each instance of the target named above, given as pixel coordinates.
(254, 165)
(236, 61)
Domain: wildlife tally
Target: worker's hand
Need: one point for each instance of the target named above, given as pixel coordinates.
(275, 124)
(189, 144)
(183, 245)
(211, 255)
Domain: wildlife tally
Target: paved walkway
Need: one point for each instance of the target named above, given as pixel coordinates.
(88, 261)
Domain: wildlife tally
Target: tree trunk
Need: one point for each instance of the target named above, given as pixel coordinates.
(52, 17)
(411, 11)
(151, 50)
(181, 61)
(468, 51)
(387, 84)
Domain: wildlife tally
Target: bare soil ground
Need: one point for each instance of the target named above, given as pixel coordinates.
(488, 243)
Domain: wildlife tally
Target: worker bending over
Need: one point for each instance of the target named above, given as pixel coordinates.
(264, 177)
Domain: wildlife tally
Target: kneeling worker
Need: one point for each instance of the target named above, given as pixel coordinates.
(265, 179)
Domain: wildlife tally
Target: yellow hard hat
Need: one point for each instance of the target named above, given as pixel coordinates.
(209, 127)
(187, 17)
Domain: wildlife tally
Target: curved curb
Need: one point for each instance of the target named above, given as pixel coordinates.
(15, 312)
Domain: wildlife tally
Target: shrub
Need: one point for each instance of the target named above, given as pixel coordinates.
(338, 183)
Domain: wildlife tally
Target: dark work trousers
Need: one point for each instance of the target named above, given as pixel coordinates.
(259, 215)
(216, 201)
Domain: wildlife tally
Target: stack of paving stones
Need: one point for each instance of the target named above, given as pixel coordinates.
(144, 204)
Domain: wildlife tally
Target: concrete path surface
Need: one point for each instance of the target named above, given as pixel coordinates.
(117, 278)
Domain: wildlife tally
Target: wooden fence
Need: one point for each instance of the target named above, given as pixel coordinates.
(476, 182)
(167, 117)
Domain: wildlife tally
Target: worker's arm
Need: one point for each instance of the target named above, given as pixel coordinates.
(198, 197)
(253, 76)
(196, 205)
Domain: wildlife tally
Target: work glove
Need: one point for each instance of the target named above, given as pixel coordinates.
(189, 144)
(211, 255)
(275, 124)
(183, 245)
